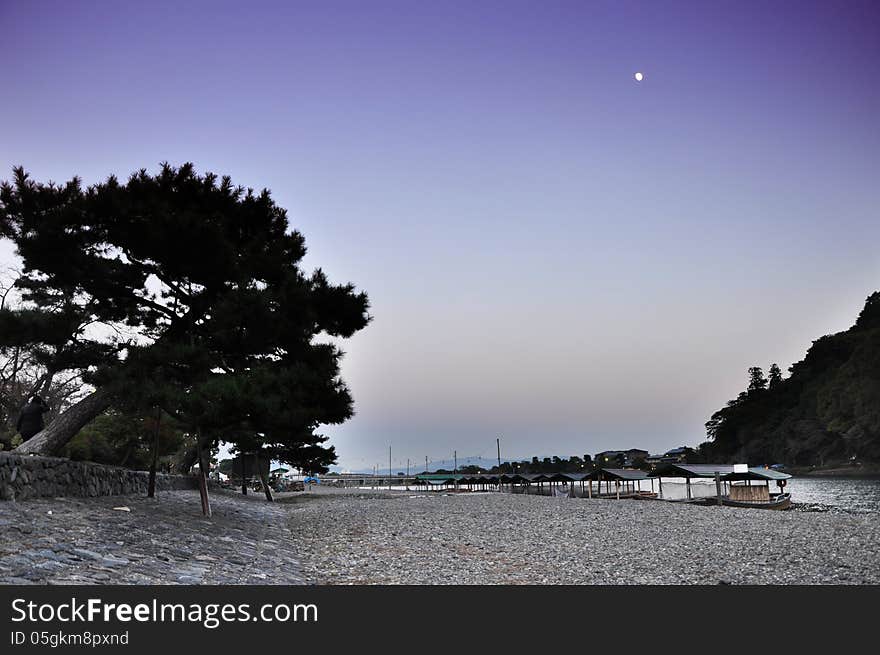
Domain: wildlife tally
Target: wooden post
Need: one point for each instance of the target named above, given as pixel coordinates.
(203, 475)
(264, 479)
(617, 488)
(242, 456)
(688, 485)
(151, 484)
(718, 487)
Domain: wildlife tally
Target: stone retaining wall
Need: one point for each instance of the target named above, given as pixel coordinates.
(27, 476)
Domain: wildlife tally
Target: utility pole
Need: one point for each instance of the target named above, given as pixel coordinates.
(455, 462)
(407, 467)
(426, 464)
(389, 468)
(498, 444)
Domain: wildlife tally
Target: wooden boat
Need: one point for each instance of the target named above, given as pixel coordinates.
(776, 501)
(739, 480)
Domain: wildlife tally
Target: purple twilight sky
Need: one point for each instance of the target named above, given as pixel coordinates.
(556, 254)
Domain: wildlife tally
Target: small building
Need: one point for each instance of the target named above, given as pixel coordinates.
(610, 458)
(620, 458)
(633, 455)
(677, 455)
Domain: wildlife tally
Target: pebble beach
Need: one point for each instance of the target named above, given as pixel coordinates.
(329, 536)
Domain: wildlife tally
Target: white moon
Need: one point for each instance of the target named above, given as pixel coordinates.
(639, 77)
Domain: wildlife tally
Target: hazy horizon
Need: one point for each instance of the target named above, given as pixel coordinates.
(555, 253)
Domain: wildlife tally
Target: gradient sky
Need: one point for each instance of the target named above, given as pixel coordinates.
(555, 254)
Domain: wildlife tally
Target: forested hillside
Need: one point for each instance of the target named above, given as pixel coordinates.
(827, 411)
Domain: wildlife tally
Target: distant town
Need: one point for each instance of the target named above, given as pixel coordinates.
(631, 458)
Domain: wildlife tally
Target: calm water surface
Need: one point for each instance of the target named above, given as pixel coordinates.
(853, 495)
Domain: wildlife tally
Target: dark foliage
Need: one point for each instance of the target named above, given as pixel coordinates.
(827, 411)
(127, 440)
(210, 316)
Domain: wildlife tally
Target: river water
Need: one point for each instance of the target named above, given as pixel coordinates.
(849, 494)
(853, 495)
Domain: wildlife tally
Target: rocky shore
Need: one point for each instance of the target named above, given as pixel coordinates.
(350, 536)
(346, 537)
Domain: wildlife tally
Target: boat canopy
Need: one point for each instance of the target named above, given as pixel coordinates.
(449, 478)
(439, 478)
(630, 475)
(708, 471)
(757, 473)
(507, 478)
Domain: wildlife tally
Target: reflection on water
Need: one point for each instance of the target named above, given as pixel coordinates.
(844, 493)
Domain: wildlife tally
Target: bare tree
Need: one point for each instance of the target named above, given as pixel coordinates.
(22, 375)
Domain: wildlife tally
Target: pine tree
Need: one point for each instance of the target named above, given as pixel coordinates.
(775, 375)
(212, 318)
(757, 381)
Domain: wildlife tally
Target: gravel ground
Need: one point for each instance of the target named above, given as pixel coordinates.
(352, 537)
(336, 536)
(161, 541)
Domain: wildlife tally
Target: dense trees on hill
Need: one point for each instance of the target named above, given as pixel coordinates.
(179, 294)
(827, 411)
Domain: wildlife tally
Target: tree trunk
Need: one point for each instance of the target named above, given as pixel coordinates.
(203, 475)
(264, 479)
(151, 484)
(55, 435)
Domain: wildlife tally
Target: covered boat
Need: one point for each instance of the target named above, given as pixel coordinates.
(734, 482)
